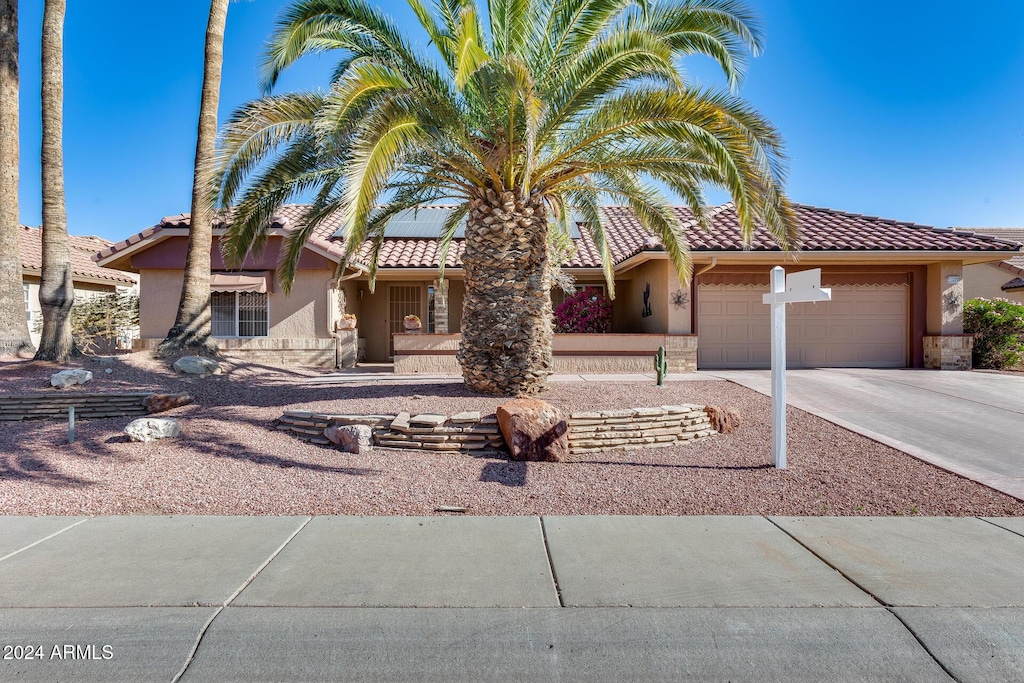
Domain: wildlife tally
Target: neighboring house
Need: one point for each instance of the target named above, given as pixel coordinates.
(998, 279)
(88, 278)
(897, 293)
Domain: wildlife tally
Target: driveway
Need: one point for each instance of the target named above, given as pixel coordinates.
(971, 423)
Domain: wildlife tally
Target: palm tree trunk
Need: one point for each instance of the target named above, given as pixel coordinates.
(14, 337)
(56, 290)
(191, 331)
(506, 312)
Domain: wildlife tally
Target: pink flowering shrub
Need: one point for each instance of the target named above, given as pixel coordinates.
(586, 311)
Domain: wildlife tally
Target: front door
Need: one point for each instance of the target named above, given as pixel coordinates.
(403, 300)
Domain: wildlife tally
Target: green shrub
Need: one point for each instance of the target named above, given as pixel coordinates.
(998, 329)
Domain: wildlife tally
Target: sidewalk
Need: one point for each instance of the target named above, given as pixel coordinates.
(511, 599)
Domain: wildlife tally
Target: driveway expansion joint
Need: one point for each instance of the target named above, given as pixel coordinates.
(47, 538)
(551, 563)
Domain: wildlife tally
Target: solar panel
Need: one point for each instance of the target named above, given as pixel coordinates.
(428, 223)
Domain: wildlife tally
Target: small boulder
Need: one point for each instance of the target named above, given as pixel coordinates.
(67, 378)
(534, 430)
(723, 419)
(158, 403)
(350, 438)
(197, 365)
(152, 428)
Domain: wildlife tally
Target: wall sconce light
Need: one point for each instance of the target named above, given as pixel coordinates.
(361, 292)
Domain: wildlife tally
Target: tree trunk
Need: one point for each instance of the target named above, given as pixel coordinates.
(14, 337)
(191, 331)
(56, 291)
(506, 312)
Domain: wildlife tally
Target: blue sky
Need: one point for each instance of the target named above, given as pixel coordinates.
(907, 109)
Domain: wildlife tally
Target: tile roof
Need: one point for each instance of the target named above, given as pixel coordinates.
(822, 230)
(82, 250)
(1014, 264)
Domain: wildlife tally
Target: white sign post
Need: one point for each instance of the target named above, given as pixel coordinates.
(802, 286)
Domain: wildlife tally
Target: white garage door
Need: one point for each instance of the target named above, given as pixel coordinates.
(864, 326)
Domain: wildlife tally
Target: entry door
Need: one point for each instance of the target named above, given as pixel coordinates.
(403, 300)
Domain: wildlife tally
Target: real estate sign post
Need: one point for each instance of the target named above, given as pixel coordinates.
(802, 286)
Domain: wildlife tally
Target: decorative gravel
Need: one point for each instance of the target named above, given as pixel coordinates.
(230, 460)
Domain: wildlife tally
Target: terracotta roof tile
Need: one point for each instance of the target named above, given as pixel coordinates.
(82, 250)
(821, 230)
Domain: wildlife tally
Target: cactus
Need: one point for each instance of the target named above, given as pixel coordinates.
(661, 365)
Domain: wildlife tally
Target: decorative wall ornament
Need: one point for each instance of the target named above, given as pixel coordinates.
(680, 299)
(646, 310)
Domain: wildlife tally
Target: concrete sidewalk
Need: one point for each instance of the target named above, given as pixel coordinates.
(511, 599)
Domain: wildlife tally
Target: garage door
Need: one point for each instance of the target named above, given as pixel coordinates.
(864, 326)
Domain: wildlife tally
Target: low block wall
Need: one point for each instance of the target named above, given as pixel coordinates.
(55, 406)
(637, 428)
(328, 352)
(572, 353)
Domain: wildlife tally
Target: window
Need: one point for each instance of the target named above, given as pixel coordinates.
(239, 314)
(430, 310)
(28, 309)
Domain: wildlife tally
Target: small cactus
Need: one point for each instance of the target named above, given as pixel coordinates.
(661, 365)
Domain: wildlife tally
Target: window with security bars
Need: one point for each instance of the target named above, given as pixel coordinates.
(239, 314)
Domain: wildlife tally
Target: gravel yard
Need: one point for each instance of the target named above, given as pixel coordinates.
(230, 460)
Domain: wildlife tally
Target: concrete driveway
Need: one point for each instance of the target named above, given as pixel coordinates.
(971, 423)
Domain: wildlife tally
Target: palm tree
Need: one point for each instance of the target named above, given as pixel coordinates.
(56, 289)
(529, 108)
(191, 330)
(14, 336)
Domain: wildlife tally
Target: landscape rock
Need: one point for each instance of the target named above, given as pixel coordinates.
(429, 419)
(197, 365)
(723, 419)
(152, 428)
(158, 403)
(350, 438)
(67, 378)
(534, 430)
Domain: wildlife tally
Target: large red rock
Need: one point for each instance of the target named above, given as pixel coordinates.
(158, 403)
(534, 430)
(723, 418)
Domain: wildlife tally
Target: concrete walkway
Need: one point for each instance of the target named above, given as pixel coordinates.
(971, 423)
(511, 599)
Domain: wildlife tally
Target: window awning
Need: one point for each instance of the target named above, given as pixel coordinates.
(241, 282)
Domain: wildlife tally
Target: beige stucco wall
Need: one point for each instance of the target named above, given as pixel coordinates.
(299, 315)
(945, 300)
(984, 280)
(159, 293)
(629, 302)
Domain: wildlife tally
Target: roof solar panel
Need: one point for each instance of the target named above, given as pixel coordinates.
(427, 224)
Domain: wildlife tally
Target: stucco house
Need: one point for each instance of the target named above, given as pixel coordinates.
(997, 279)
(88, 277)
(897, 294)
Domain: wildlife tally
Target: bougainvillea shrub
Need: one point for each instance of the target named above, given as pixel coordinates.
(586, 311)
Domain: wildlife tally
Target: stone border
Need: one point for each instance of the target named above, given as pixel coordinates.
(465, 432)
(14, 408)
(633, 428)
(472, 433)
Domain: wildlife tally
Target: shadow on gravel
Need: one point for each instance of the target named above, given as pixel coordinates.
(29, 468)
(507, 473)
(766, 466)
(241, 452)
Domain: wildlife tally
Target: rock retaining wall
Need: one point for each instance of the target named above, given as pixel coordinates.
(637, 428)
(473, 433)
(466, 432)
(55, 406)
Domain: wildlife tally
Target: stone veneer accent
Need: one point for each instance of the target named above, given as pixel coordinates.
(87, 406)
(632, 428)
(629, 428)
(948, 351)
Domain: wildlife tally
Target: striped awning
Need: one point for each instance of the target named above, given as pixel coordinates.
(241, 282)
